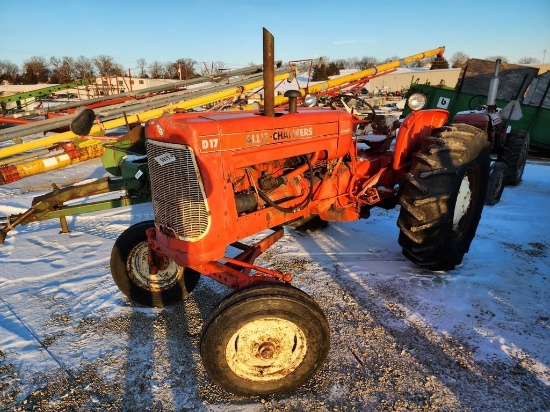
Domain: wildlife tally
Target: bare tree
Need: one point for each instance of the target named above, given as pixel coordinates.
(8, 71)
(188, 67)
(156, 70)
(106, 66)
(180, 69)
(172, 70)
(62, 69)
(366, 62)
(352, 63)
(142, 64)
(35, 70)
(83, 67)
(528, 60)
(458, 59)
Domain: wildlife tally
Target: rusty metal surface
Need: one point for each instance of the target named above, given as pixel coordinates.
(269, 69)
(51, 205)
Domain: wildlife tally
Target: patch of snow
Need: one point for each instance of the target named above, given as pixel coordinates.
(61, 313)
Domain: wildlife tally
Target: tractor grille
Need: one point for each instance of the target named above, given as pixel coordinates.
(179, 201)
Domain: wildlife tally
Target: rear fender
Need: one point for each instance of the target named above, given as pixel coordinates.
(415, 127)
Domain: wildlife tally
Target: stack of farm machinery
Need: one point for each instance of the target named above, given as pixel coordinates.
(215, 179)
(30, 155)
(123, 155)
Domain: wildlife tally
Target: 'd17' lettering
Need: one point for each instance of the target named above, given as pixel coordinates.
(209, 144)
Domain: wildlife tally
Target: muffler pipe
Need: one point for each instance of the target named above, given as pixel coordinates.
(493, 86)
(269, 73)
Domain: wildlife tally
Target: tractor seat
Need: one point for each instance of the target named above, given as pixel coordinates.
(377, 142)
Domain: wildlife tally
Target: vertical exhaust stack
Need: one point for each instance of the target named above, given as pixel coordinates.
(269, 74)
(493, 88)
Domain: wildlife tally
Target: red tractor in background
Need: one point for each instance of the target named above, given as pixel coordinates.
(508, 147)
(508, 144)
(219, 178)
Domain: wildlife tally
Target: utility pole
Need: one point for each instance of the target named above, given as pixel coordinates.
(543, 56)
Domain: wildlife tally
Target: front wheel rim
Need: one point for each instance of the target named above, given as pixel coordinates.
(266, 349)
(138, 271)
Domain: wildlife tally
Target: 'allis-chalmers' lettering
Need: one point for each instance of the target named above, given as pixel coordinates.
(257, 138)
(287, 134)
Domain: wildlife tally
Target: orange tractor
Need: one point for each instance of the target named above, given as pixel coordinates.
(219, 178)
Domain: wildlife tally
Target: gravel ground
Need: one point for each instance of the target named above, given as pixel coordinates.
(123, 357)
(377, 362)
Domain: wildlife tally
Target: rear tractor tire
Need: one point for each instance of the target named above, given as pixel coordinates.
(265, 339)
(514, 155)
(130, 271)
(442, 196)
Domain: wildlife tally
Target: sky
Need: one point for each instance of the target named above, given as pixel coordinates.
(231, 31)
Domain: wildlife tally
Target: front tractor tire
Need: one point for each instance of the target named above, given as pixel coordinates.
(130, 271)
(442, 196)
(265, 339)
(495, 186)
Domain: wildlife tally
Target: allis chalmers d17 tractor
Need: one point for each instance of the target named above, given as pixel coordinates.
(218, 178)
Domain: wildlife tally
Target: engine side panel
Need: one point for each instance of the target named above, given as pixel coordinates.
(197, 223)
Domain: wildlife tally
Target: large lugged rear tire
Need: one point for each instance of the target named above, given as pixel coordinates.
(443, 195)
(514, 155)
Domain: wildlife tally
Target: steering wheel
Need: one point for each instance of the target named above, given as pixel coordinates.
(364, 108)
(470, 103)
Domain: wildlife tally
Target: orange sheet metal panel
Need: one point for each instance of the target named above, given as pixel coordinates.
(226, 142)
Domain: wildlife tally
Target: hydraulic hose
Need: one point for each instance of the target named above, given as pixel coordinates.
(306, 201)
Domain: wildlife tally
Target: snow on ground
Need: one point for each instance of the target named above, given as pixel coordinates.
(403, 338)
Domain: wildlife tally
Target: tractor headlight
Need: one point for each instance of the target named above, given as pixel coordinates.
(417, 101)
(310, 100)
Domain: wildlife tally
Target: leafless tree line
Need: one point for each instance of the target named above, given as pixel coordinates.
(57, 70)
